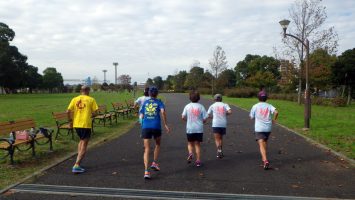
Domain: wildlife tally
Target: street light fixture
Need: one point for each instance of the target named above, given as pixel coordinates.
(115, 64)
(307, 104)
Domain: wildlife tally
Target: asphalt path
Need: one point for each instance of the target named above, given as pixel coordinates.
(298, 168)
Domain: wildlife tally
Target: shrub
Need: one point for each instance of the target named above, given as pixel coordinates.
(205, 90)
(244, 92)
(338, 102)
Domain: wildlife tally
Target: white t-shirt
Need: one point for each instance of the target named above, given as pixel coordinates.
(141, 100)
(195, 114)
(219, 111)
(262, 113)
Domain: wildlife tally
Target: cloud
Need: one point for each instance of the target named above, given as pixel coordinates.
(81, 38)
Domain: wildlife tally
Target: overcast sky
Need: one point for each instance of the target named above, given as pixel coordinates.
(152, 37)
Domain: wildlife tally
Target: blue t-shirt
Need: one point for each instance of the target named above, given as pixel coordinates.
(262, 113)
(195, 114)
(151, 113)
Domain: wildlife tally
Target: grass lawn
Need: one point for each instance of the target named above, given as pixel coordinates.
(39, 107)
(331, 126)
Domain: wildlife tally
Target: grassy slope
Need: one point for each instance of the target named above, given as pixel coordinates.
(39, 107)
(331, 126)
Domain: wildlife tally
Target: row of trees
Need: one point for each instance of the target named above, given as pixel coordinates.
(16, 73)
(326, 72)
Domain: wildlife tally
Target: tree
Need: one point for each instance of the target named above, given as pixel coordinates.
(242, 69)
(14, 71)
(261, 78)
(179, 80)
(6, 33)
(52, 79)
(168, 83)
(158, 82)
(226, 79)
(251, 65)
(218, 63)
(32, 79)
(95, 84)
(207, 80)
(194, 78)
(343, 71)
(320, 69)
(12, 67)
(149, 82)
(308, 18)
(124, 79)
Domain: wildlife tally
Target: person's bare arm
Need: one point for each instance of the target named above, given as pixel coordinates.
(163, 113)
(276, 114)
(229, 112)
(183, 118)
(70, 120)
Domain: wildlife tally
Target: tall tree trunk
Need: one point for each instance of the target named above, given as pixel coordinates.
(343, 90)
(299, 90)
(349, 95)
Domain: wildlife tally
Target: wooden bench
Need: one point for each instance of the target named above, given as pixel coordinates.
(119, 109)
(62, 122)
(10, 145)
(103, 115)
(130, 106)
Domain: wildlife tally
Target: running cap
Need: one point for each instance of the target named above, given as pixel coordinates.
(153, 90)
(217, 97)
(262, 94)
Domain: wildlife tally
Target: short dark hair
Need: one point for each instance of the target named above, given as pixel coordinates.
(153, 91)
(194, 96)
(146, 91)
(85, 89)
(263, 98)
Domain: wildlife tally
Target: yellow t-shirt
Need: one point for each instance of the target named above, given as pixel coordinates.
(82, 107)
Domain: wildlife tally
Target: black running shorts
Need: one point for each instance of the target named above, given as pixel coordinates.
(219, 130)
(83, 133)
(262, 136)
(148, 133)
(194, 137)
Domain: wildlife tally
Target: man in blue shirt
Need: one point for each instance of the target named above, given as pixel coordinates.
(151, 113)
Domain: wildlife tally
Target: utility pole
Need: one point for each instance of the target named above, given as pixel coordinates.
(115, 64)
(104, 71)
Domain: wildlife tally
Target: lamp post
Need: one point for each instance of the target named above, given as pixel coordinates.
(104, 71)
(115, 64)
(307, 104)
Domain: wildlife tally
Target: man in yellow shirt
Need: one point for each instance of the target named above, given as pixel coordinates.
(83, 108)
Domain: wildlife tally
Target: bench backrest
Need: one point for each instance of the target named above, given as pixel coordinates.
(61, 116)
(102, 109)
(130, 102)
(19, 125)
(117, 105)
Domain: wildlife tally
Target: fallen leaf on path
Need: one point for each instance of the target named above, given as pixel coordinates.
(114, 173)
(295, 186)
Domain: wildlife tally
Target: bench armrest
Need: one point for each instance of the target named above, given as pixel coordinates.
(6, 140)
(47, 132)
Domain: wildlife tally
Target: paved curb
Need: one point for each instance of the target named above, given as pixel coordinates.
(314, 142)
(93, 144)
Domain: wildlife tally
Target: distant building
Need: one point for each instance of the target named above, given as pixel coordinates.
(141, 86)
(287, 71)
